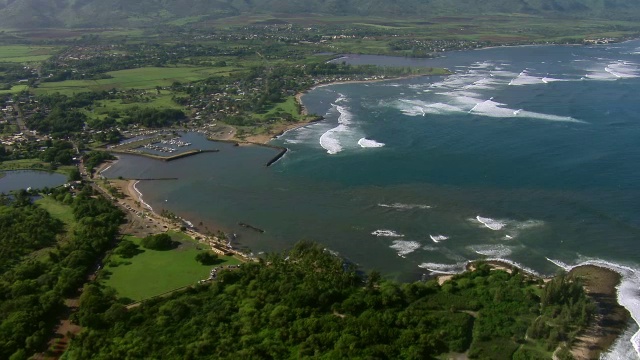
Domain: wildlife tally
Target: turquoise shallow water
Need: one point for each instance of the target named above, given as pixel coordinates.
(528, 154)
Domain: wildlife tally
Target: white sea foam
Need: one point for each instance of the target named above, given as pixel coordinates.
(422, 108)
(491, 108)
(140, 196)
(490, 223)
(512, 228)
(386, 233)
(341, 98)
(628, 293)
(525, 79)
(614, 71)
(430, 248)
(623, 348)
(437, 238)
(400, 206)
(623, 70)
(515, 264)
(405, 247)
(330, 140)
(444, 268)
(498, 251)
(452, 255)
(345, 115)
(368, 143)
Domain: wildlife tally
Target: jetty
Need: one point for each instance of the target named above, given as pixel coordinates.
(163, 158)
(251, 227)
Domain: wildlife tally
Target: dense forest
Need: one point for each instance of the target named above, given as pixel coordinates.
(41, 263)
(308, 303)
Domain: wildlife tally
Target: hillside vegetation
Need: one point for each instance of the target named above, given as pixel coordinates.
(308, 303)
(96, 13)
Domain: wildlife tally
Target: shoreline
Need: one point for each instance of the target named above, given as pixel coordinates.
(601, 284)
(601, 281)
(143, 215)
(264, 139)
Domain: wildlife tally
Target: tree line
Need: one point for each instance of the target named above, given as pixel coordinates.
(41, 263)
(308, 303)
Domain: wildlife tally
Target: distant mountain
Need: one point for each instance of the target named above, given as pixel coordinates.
(95, 13)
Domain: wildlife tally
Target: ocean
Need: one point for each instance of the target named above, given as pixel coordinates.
(525, 154)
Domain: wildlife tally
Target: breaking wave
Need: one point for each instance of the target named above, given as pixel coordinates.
(405, 247)
(368, 143)
(491, 223)
(491, 108)
(437, 238)
(497, 251)
(525, 79)
(330, 139)
(614, 71)
(400, 206)
(444, 268)
(387, 233)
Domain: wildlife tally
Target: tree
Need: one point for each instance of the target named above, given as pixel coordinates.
(158, 242)
(207, 258)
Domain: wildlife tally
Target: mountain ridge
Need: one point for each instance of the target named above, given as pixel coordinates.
(98, 13)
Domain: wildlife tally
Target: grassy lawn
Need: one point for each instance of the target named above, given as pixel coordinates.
(154, 272)
(24, 164)
(25, 53)
(57, 210)
(288, 106)
(34, 164)
(14, 89)
(140, 78)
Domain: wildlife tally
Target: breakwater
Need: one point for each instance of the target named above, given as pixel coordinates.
(164, 158)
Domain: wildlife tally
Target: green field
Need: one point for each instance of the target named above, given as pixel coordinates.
(14, 89)
(288, 106)
(154, 272)
(140, 78)
(57, 210)
(25, 53)
(34, 164)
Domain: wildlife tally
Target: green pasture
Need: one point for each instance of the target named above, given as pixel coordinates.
(101, 108)
(25, 53)
(139, 78)
(57, 210)
(34, 164)
(152, 272)
(14, 89)
(288, 106)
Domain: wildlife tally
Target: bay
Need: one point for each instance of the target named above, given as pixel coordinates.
(527, 154)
